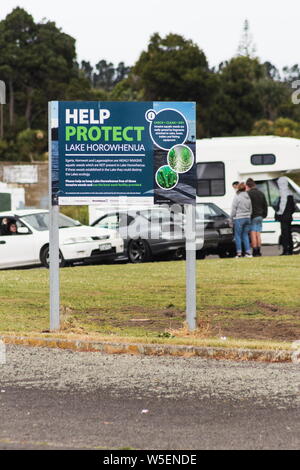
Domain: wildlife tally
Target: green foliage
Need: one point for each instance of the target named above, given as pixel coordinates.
(272, 96)
(38, 64)
(3, 148)
(180, 159)
(172, 159)
(185, 159)
(9, 151)
(282, 127)
(80, 213)
(166, 177)
(165, 334)
(32, 145)
(173, 68)
(237, 103)
(127, 90)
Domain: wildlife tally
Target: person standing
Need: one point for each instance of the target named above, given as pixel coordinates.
(235, 185)
(241, 214)
(259, 212)
(284, 215)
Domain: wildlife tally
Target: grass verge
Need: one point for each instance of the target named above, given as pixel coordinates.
(252, 302)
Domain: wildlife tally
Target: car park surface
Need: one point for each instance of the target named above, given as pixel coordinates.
(30, 245)
(58, 399)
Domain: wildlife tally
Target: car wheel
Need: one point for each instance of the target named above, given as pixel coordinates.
(227, 252)
(200, 254)
(139, 251)
(179, 254)
(45, 258)
(296, 240)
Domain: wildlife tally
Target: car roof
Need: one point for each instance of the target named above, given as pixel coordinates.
(22, 212)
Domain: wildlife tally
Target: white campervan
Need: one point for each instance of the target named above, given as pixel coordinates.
(223, 160)
(11, 198)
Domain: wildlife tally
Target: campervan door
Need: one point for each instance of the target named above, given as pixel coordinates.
(221, 161)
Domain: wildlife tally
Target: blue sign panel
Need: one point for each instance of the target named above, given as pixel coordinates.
(123, 152)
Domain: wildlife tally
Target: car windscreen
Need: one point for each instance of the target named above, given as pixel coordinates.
(40, 221)
(209, 211)
(163, 215)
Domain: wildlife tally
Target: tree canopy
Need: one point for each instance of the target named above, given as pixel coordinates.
(38, 63)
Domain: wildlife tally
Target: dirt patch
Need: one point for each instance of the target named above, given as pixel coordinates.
(258, 329)
(269, 309)
(151, 319)
(261, 321)
(270, 327)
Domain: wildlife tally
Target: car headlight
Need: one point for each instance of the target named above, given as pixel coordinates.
(101, 237)
(72, 240)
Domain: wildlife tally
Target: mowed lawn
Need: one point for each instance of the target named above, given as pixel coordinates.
(249, 298)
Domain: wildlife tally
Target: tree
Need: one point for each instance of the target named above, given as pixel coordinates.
(32, 145)
(17, 34)
(246, 46)
(38, 64)
(127, 89)
(237, 104)
(272, 96)
(104, 78)
(172, 68)
(282, 127)
(87, 71)
(121, 72)
(290, 74)
(271, 71)
(51, 63)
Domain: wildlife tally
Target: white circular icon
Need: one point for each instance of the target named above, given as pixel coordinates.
(150, 115)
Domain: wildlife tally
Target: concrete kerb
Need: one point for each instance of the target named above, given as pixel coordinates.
(152, 349)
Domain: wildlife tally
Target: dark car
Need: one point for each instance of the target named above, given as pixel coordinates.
(218, 231)
(157, 232)
(147, 233)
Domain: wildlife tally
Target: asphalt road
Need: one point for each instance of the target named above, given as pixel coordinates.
(53, 399)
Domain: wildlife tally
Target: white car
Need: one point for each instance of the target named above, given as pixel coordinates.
(30, 244)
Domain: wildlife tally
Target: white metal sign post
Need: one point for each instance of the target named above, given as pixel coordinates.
(53, 247)
(54, 269)
(190, 234)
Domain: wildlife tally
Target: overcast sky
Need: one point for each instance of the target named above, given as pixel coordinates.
(118, 30)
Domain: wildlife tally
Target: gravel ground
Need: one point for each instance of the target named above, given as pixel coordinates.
(164, 377)
(54, 399)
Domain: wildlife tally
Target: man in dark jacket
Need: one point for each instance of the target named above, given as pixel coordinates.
(284, 215)
(259, 212)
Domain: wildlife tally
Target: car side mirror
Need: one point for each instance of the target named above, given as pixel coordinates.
(23, 231)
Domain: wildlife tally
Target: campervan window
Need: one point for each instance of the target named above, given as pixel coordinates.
(294, 193)
(270, 190)
(263, 159)
(273, 192)
(210, 179)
